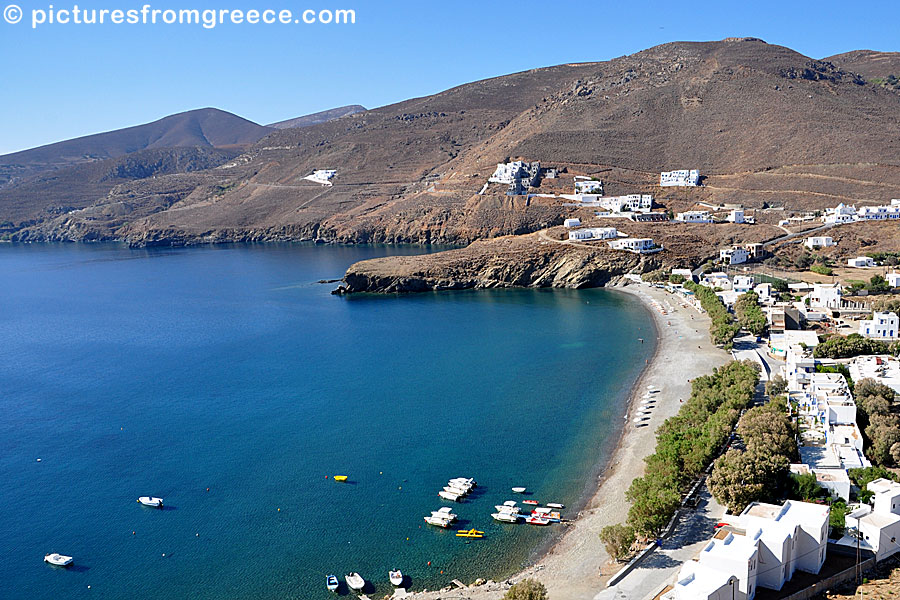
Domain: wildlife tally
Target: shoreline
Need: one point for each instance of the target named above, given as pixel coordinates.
(574, 565)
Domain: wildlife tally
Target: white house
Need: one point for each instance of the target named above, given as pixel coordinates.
(323, 176)
(736, 216)
(861, 262)
(572, 223)
(697, 581)
(840, 214)
(737, 555)
(636, 245)
(716, 280)
(694, 216)
(593, 233)
(882, 326)
(584, 185)
(878, 525)
(683, 178)
(878, 213)
(893, 279)
(686, 273)
(833, 479)
(883, 369)
(825, 295)
(742, 284)
(764, 291)
(820, 241)
(734, 255)
(812, 538)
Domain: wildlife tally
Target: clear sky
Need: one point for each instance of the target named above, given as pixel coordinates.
(63, 81)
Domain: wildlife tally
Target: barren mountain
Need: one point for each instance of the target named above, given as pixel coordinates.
(319, 117)
(764, 124)
(869, 63)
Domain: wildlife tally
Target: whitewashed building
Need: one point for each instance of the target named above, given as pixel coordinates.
(686, 273)
(735, 255)
(518, 175)
(683, 178)
(584, 185)
(878, 213)
(322, 176)
(697, 581)
(694, 216)
(820, 241)
(736, 216)
(742, 284)
(893, 279)
(876, 528)
(824, 295)
(840, 214)
(882, 326)
(807, 523)
(636, 245)
(736, 555)
(593, 233)
(569, 223)
(861, 262)
(716, 280)
(882, 368)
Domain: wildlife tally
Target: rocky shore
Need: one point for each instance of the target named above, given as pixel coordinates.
(534, 260)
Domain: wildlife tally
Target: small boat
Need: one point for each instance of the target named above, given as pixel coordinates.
(531, 502)
(332, 583)
(444, 513)
(546, 514)
(505, 508)
(555, 505)
(518, 490)
(151, 501)
(438, 521)
(470, 533)
(506, 517)
(355, 581)
(396, 577)
(340, 478)
(453, 497)
(537, 520)
(455, 490)
(465, 480)
(58, 560)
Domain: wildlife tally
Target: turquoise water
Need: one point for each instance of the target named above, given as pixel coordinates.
(167, 372)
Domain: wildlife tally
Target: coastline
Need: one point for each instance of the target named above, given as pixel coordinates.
(575, 566)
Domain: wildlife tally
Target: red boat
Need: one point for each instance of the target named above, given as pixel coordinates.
(532, 502)
(537, 521)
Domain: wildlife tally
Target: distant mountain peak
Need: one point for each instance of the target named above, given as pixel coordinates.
(319, 117)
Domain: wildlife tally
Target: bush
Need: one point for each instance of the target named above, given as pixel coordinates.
(677, 278)
(850, 346)
(837, 518)
(878, 285)
(527, 589)
(618, 540)
(776, 386)
(722, 328)
(862, 477)
(805, 487)
(821, 270)
(749, 313)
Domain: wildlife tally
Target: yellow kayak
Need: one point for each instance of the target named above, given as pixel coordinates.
(340, 478)
(470, 533)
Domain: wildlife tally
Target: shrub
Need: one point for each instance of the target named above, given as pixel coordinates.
(805, 487)
(722, 328)
(527, 589)
(618, 540)
(850, 346)
(821, 270)
(677, 278)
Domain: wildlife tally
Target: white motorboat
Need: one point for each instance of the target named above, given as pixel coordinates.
(451, 496)
(507, 516)
(518, 490)
(555, 505)
(534, 520)
(58, 560)
(444, 513)
(466, 481)
(332, 583)
(396, 577)
(151, 501)
(456, 490)
(355, 581)
(438, 521)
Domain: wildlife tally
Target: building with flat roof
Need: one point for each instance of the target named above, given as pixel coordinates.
(861, 262)
(882, 326)
(593, 233)
(694, 216)
(682, 178)
(736, 555)
(697, 581)
(636, 245)
(882, 368)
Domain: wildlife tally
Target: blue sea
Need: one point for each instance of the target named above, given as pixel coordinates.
(226, 380)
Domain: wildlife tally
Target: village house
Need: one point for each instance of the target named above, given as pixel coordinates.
(882, 326)
(322, 176)
(825, 295)
(736, 555)
(840, 214)
(821, 241)
(734, 256)
(893, 279)
(518, 175)
(586, 185)
(876, 528)
(742, 284)
(686, 273)
(593, 233)
(716, 280)
(569, 223)
(683, 178)
(636, 245)
(697, 581)
(694, 216)
(809, 522)
(736, 216)
(861, 262)
(882, 368)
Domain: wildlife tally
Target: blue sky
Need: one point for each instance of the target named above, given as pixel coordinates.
(59, 82)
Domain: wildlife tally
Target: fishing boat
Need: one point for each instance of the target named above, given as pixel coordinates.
(340, 478)
(506, 508)
(533, 520)
(151, 501)
(518, 490)
(531, 502)
(468, 481)
(444, 513)
(455, 490)
(506, 517)
(451, 496)
(470, 533)
(438, 521)
(546, 513)
(332, 583)
(555, 505)
(355, 581)
(58, 560)
(396, 577)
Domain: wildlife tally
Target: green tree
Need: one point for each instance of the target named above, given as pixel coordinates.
(617, 539)
(527, 589)
(653, 502)
(677, 278)
(804, 487)
(878, 285)
(739, 478)
(776, 386)
(750, 314)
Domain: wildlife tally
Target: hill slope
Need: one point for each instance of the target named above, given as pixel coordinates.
(764, 124)
(319, 117)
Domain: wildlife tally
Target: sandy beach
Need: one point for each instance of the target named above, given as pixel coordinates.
(577, 566)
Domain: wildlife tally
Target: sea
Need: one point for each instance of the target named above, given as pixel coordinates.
(229, 381)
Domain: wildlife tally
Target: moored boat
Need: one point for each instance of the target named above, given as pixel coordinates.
(506, 517)
(355, 581)
(470, 533)
(340, 478)
(151, 501)
(531, 502)
(519, 490)
(453, 497)
(332, 583)
(444, 512)
(537, 520)
(438, 521)
(58, 560)
(396, 577)
(555, 505)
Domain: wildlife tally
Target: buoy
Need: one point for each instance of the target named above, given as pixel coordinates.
(326, 477)
(198, 535)
(399, 487)
(407, 539)
(279, 510)
(132, 533)
(207, 489)
(89, 587)
(429, 563)
(164, 554)
(381, 472)
(442, 572)
(39, 460)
